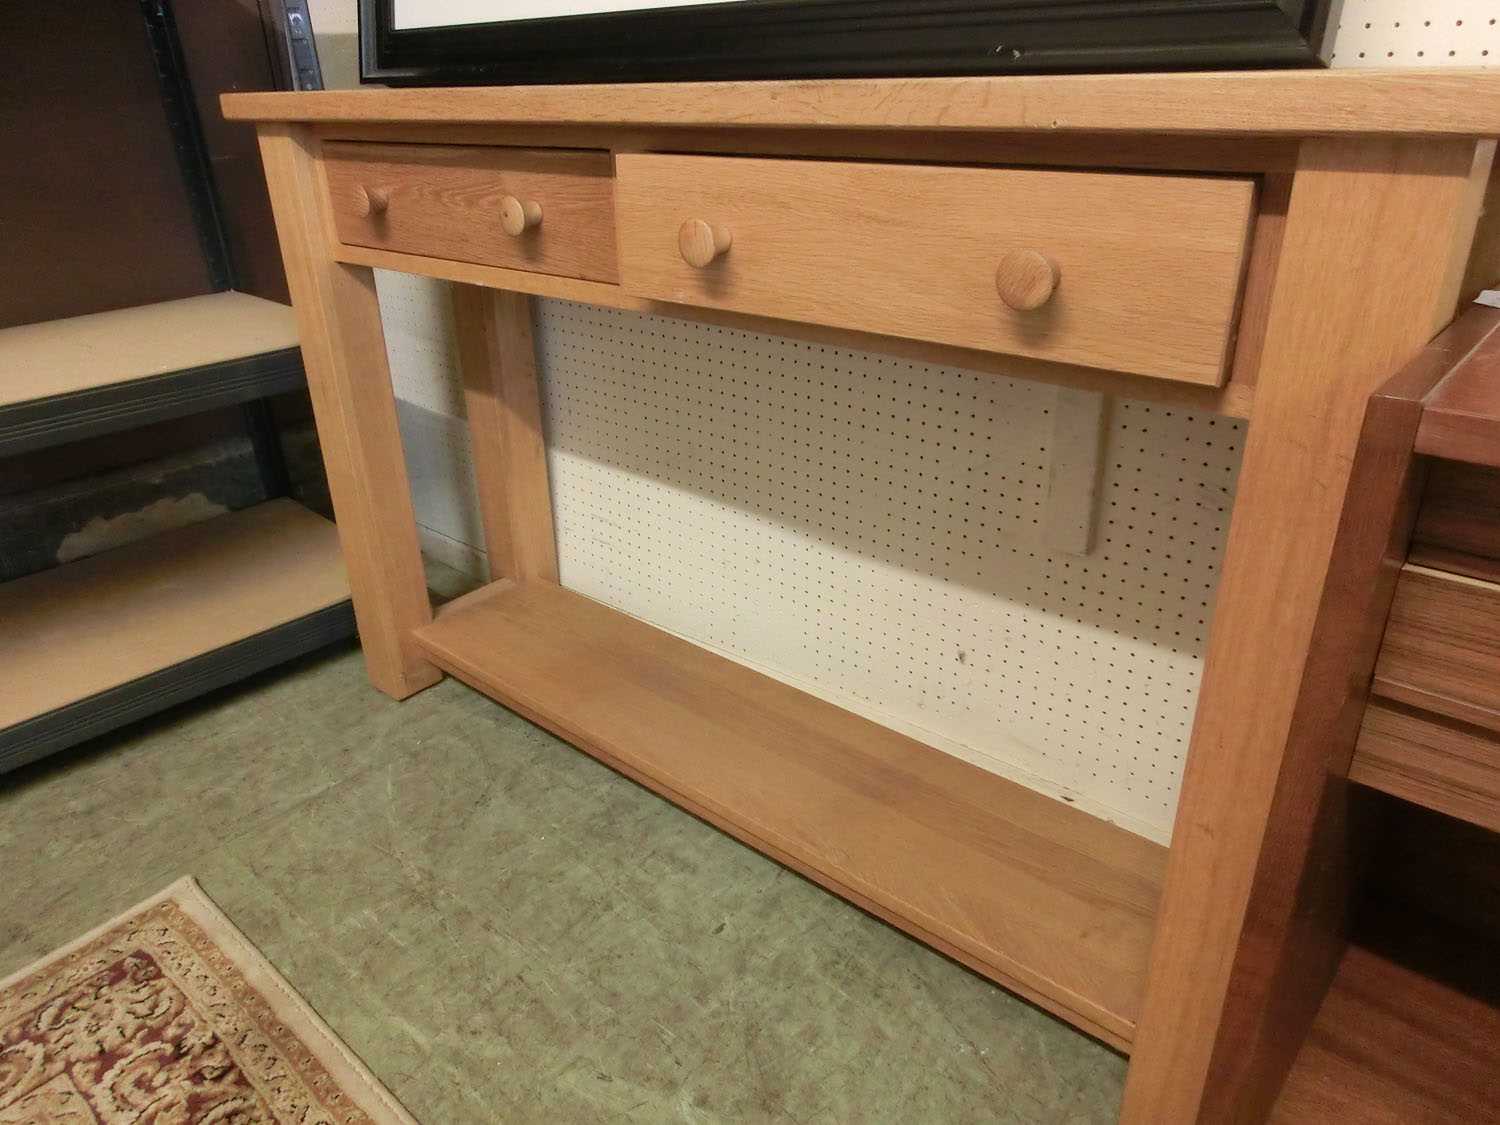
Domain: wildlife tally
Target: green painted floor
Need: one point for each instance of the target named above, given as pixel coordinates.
(507, 931)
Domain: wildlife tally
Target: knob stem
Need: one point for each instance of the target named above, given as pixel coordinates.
(372, 201)
(702, 242)
(518, 215)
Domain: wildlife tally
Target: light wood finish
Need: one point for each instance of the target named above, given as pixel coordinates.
(1234, 399)
(1155, 152)
(1260, 282)
(86, 352)
(1462, 416)
(371, 202)
(517, 216)
(449, 202)
(1394, 1046)
(1026, 279)
(1237, 970)
(886, 234)
(1051, 902)
(1151, 265)
(343, 350)
(1454, 103)
(80, 629)
(1449, 767)
(503, 402)
(701, 243)
(1442, 646)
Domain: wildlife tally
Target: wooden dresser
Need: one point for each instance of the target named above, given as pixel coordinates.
(1273, 246)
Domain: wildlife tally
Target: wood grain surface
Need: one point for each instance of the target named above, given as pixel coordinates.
(1451, 102)
(1150, 266)
(1460, 519)
(448, 201)
(1047, 900)
(349, 380)
(1450, 767)
(502, 400)
(1394, 1046)
(1247, 940)
(1442, 646)
(1461, 420)
(1233, 399)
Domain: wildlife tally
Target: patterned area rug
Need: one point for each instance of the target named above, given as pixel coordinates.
(167, 1015)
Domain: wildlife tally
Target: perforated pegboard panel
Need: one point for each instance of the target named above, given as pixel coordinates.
(1403, 33)
(871, 528)
(696, 487)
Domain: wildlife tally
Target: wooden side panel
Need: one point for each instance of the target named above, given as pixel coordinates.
(503, 400)
(343, 349)
(1376, 239)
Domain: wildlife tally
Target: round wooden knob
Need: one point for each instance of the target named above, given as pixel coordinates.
(702, 242)
(518, 216)
(1026, 279)
(372, 201)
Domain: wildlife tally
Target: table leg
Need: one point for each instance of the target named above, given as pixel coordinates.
(343, 350)
(1373, 253)
(503, 400)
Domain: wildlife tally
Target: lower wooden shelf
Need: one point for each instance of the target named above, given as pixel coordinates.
(93, 644)
(1048, 901)
(1393, 1045)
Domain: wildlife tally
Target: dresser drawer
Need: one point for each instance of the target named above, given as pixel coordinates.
(1441, 650)
(544, 210)
(1137, 273)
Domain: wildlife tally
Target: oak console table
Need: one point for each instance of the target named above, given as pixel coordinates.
(1272, 246)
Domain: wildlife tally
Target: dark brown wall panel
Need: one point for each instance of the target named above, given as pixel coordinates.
(92, 205)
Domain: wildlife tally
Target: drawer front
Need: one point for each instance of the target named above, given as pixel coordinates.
(453, 201)
(1137, 273)
(1441, 650)
(1451, 767)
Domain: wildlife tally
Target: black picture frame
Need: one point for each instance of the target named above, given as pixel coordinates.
(762, 39)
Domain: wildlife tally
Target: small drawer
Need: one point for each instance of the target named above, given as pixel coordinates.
(1441, 650)
(543, 210)
(1137, 273)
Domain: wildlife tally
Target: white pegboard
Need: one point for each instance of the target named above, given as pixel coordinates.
(714, 483)
(870, 529)
(1403, 33)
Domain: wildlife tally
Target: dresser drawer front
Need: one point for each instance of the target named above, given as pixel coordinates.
(1137, 273)
(1441, 650)
(451, 201)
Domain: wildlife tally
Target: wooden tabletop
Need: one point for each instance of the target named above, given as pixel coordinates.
(1450, 102)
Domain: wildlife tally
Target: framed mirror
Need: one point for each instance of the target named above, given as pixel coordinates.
(513, 42)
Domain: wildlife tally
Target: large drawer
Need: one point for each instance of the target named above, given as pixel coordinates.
(1137, 273)
(544, 210)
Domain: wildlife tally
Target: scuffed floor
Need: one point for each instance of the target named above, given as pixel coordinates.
(507, 931)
